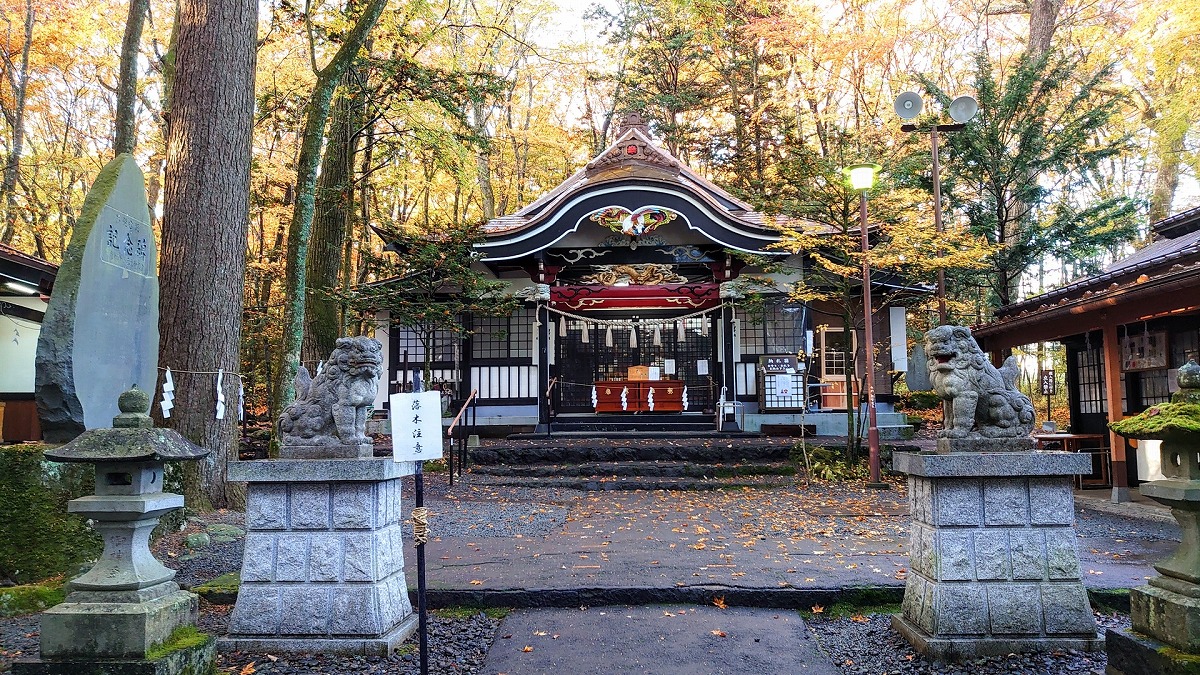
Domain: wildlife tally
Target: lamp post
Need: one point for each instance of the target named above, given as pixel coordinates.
(962, 109)
(861, 178)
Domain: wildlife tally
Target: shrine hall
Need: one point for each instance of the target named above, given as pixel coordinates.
(637, 277)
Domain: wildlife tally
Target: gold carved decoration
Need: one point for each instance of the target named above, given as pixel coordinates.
(650, 274)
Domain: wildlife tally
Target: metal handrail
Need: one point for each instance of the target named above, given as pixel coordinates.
(463, 409)
(550, 387)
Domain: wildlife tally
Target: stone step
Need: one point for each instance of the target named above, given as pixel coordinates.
(633, 435)
(631, 424)
(713, 452)
(657, 469)
(609, 482)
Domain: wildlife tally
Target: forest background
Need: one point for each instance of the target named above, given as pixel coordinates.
(433, 116)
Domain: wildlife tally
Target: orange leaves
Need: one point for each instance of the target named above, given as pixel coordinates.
(817, 609)
(719, 602)
(527, 649)
(720, 633)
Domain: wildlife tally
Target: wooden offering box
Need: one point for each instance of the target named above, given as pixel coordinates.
(668, 396)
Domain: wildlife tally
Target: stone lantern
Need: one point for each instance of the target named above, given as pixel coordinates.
(127, 604)
(1166, 611)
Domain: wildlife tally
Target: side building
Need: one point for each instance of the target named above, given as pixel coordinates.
(645, 291)
(25, 284)
(1126, 331)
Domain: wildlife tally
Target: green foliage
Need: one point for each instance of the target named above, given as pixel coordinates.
(38, 538)
(30, 598)
(832, 464)
(431, 284)
(1022, 169)
(920, 400)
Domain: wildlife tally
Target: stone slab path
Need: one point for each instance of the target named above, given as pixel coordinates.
(656, 639)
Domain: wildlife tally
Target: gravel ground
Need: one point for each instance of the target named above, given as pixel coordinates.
(869, 646)
(18, 638)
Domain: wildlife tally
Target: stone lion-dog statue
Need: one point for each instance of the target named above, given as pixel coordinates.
(980, 400)
(331, 409)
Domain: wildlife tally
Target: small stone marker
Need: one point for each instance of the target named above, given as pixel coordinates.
(104, 304)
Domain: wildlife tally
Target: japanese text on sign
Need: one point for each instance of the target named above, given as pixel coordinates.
(125, 241)
(416, 426)
(1047, 380)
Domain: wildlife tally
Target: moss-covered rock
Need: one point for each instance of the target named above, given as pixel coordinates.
(220, 591)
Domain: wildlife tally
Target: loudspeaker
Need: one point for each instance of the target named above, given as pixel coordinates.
(963, 108)
(908, 105)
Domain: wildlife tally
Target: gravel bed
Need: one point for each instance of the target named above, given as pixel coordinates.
(1101, 524)
(456, 645)
(18, 639)
(869, 646)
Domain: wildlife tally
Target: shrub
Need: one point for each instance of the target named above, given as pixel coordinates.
(831, 464)
(920, 400)
(38, 538)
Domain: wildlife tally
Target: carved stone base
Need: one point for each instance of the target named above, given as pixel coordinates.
(981, 445)
(945, 649)
(327, 451)
(323, 567)
(199, 659)
(115, 629)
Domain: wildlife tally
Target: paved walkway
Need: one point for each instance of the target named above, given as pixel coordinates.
(602, 570)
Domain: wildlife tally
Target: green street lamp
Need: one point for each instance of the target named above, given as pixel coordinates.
(861, 178)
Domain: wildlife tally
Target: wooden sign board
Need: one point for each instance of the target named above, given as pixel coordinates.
(785, 363)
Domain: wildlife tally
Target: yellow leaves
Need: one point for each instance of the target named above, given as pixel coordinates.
(248, 669)
(859, 618)
(719, 633)
(527, 648)
(817, 609)
(719, 602)
(476, 582)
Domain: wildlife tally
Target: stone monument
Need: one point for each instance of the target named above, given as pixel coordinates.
(323, 567)
(105, 302)
(993, 564)
(126, 608)
(1166, 611)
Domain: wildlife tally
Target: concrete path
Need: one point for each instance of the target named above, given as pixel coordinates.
(656, 639)
(787, 547)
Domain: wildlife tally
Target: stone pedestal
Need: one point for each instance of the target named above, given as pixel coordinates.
(994, 567)
(323, 569)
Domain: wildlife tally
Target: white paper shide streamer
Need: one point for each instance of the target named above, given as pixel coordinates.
(595, 398)
(625, 398)
(685, 401)
(168, 394)
(220, 395)
(650, 399)
(241, 400)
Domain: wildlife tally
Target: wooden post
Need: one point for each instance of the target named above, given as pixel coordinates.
(1112, 385)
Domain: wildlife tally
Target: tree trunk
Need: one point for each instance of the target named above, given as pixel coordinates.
(332, 217)
(18, 81)
(206, 194)
(126, 117)
(1169, 147)
(296, 275)
(1043, 19)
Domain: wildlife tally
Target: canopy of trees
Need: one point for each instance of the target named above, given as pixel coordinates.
(418, 117)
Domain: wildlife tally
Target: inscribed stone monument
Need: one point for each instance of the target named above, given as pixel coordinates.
(100, 334)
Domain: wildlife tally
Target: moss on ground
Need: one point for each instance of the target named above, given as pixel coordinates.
(184, 637)
(31, 597)
(460, 613)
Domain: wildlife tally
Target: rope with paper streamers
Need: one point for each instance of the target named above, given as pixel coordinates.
(168, 391)
(420, 519)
